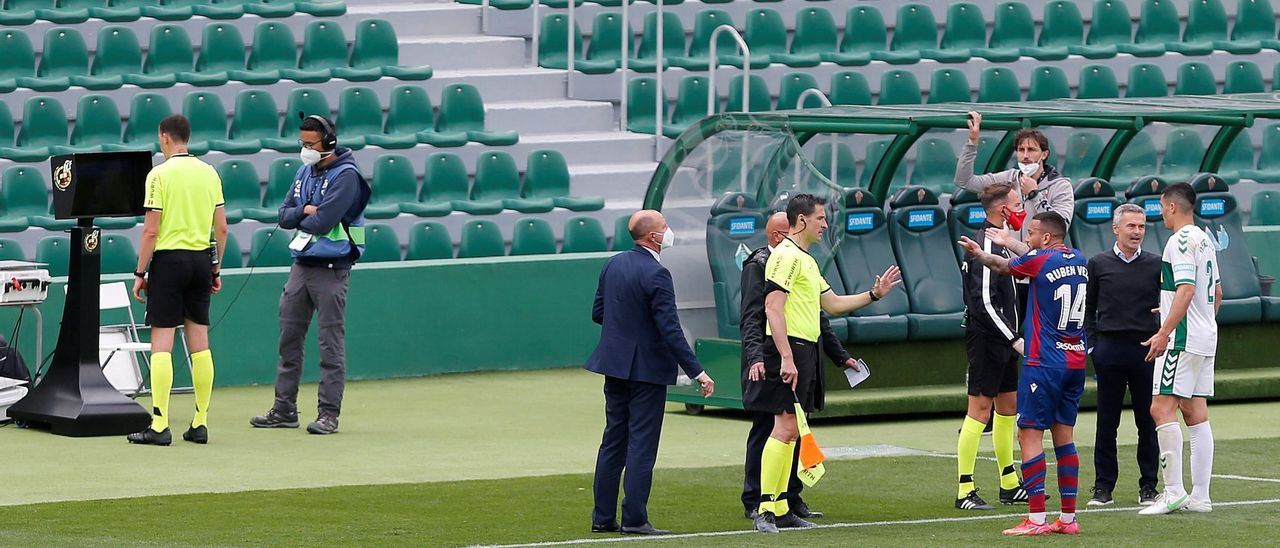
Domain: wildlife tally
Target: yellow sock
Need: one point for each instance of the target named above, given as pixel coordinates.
(161, 384)
(774, 465)
(1002, 437)
(202, 381)
(781, 507)
(967, 453)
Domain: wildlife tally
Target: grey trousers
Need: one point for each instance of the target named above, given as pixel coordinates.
(312, 289)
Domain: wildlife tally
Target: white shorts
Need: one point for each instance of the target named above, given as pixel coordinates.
(1183, 374)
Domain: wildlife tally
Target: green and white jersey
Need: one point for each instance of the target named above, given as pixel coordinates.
(1190, 258)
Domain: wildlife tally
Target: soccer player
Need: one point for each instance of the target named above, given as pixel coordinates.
(1184, 348)
(795, 295)
(993, 346)
(1052, 377)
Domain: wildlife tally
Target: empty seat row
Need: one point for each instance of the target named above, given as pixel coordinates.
(118, 60)
(25, 12)
(255, 123)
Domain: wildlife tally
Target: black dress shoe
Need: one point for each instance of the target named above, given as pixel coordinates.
(605, 527)
(646, 529)
(800, 509)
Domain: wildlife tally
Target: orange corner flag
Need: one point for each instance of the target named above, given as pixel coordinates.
(811, 458)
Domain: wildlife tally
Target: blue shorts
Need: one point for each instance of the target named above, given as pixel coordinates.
(1048, 395)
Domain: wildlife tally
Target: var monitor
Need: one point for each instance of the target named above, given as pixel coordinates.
(99, 184)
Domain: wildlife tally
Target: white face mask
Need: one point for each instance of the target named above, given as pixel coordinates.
(311, 156)
(1029, 169)
(668, 239)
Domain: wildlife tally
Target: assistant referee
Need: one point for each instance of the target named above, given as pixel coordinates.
(178, 272)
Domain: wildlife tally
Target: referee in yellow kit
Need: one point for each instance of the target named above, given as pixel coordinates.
(184, 204)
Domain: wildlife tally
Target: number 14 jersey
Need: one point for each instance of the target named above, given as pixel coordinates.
(1054, 328)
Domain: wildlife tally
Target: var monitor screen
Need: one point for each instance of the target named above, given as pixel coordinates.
(102, 184)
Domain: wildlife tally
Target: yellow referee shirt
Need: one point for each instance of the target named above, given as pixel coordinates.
(797, 273)
(187, 191)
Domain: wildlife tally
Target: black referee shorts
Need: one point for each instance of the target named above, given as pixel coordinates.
(773, 396)
(993, 365)
(178, 288)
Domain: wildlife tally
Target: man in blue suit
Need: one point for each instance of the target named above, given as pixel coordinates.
(641, 343)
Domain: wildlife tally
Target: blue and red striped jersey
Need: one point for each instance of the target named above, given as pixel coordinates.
(1054, 329)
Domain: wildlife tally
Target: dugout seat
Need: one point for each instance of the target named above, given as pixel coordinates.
(931, 277)
(965, 218)
(734, 230)
(1090, 229)
(864, 253)
(1218, 214)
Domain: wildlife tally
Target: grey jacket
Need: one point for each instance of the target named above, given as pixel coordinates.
(1054, 192)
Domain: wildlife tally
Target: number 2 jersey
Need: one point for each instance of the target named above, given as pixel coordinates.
(1054, 329)
(1190, 258)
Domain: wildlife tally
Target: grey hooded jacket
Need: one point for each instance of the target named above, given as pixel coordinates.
(1053, 191)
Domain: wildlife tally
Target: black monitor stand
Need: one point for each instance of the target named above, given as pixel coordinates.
(74, 398)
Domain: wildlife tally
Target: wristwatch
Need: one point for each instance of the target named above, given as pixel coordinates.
(140, 274)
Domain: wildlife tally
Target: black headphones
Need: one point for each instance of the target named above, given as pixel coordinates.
(329, 137)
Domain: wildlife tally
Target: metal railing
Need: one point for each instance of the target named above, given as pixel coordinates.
(835, 158)
(713, 99)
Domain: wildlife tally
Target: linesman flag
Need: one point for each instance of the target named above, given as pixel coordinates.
(811, 457)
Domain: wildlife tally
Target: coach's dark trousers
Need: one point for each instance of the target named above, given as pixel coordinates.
(633, 424)
(761, 427)
(308, 291)
(1121, 366)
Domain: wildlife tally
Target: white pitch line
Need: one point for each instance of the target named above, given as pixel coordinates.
(1246, 478)
(924, 521)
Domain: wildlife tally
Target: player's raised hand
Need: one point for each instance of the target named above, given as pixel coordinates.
(1000, 236)
(975, 126)
(969, 245)
(885, 283)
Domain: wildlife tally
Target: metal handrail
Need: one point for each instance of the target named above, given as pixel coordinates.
(822, 98)
(537, 24)
(659, 100)
(713, 100)
(571, 46)
(626, 46)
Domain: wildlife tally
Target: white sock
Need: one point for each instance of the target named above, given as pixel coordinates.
(1067, 517)
(1201, 460)
(1036, 517)
(1169, 437)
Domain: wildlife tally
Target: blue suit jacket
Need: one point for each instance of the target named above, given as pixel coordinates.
(641, 339)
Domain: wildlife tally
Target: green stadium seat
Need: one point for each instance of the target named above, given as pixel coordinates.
(26, 194)
(1268, 170)
(706, 22)
(170, 10)
(1146, 80)
(1047, 83)
(462, 110)
(118, 54)
(376, 52)
(552, 51)
(899, 87)
(1239, 158)
(264, 8)
(849, 88)
(97, 124)
(1014, 31)
(986, 148)
(1275, 78)
(864, 34)
(393, 183)
(1145, 191)
(1062, 29)
(55, 253)
(916, 30)
(547, 177)
(11, 250)
(1083, 150)
(1244, 77)
(118, 254)
(759, 97)
(690, 105)
(359, 114)
(965, 29)
(949, 86)
(324, 46)
(208, 122)
(481, 238)
(1241, 293)
(1110, 27)
(841, 162)
(17, 59)
(232, 253)
(280, 179)
(1136, 160)
(234, 9)
(64, 55)
(935, 165)
(998, 85)
(1195, 78)
(145, 112)
(241, 188)
(1207, 29)
(766, 35)
(965, 218)
(380, 244)
(429, 240)
(304, 101)
(621, 236)
(672, 41)
(274, 50)
(1255, 21)
(1264, 208)
(1158, 25)
(68, 12)
(931, 278)
(408, 114)
(532, 236)
(1090, 229)
(792, 85)
(44, 127)
(270, 247)
(444, 182)
(498, 179)
(6, 128)
(583, 235)
(815, 38)
(255, 119)
(221, 52)
(871, 161)
(606, 39)
(22, 13)
(1097, 82)
(641, 101)
(322, 8)
(734, 229)
(169, 53)
(1183, 152)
